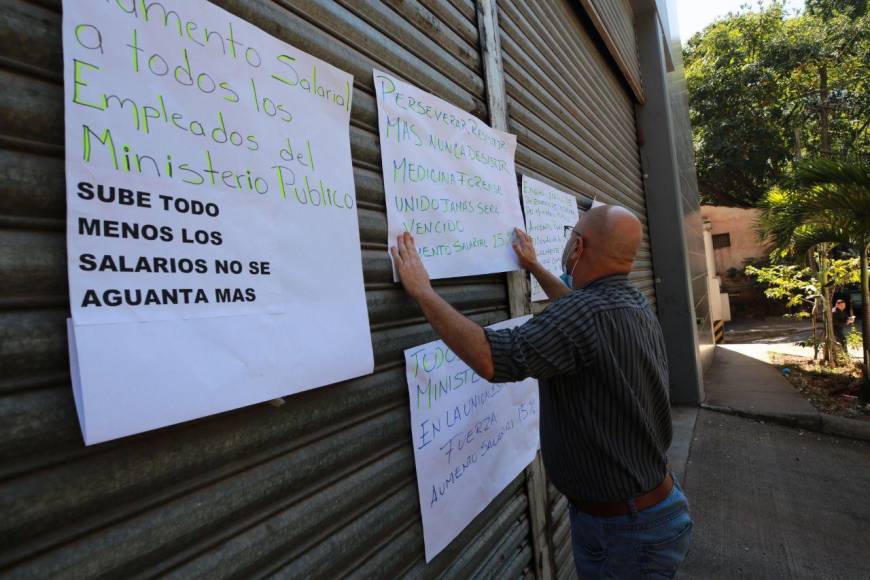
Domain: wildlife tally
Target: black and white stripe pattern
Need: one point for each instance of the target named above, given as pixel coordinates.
(600, 357)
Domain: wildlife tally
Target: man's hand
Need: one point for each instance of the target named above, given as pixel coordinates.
(409, 266)
(525, 249)
(464, 337)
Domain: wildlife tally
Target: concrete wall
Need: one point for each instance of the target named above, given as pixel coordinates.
(740, 223)
(693, 225)
(676, 230)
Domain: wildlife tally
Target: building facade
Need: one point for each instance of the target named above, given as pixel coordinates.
(323, 485)
(735, 239)
(734, 243)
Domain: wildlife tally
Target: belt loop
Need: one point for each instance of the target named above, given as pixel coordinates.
(632, 508)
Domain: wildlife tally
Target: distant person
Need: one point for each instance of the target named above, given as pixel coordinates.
(599, 354)
(841, 320)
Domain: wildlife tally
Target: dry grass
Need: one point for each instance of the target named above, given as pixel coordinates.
(833, 391)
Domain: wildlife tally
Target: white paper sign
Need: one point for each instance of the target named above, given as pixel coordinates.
(548, 211)
(449, 180)
(471, 438)
(212, 234)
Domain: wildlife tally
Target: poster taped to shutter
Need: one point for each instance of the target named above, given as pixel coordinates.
(471, 438)
(449, 180)
(548, 211)
(213, 243)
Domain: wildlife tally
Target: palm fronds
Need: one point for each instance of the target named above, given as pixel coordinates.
(826, 198)
(839, 187)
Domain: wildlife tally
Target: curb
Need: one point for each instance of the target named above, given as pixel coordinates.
(844, 427)
(760, 334)
(818, 422)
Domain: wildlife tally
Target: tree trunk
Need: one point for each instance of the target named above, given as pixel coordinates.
(830, 355)
(823, 111)
(865, 322)
(818, 305)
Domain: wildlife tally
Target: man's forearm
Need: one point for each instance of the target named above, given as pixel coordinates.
(463, 336)
(552, 285)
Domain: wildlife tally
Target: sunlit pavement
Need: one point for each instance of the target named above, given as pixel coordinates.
(742, 378)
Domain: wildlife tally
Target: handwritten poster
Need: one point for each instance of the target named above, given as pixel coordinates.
(449, 180)
(471, 438)
(212, 235)
(548, 211)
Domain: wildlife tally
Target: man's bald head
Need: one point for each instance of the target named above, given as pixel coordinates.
(611, 237)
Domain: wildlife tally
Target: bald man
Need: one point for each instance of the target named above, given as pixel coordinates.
(599, 356)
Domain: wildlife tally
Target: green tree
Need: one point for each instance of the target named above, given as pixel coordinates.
(799, 289)
(767, 88)
(830, 8)
(795, 234)
(838, 192)
(828, 204)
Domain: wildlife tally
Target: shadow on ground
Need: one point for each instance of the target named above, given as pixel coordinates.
(776, 502)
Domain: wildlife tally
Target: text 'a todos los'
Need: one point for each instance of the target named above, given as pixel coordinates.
(201, 155)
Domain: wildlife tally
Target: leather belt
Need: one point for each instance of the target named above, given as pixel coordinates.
(621, 508)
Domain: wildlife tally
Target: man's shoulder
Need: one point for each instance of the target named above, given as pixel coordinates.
(573, 306)
(579, 298)
(587, 302)
(598, 299)
(622, 294)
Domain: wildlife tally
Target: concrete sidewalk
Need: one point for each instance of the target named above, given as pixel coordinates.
(743, 380)
(774, 502)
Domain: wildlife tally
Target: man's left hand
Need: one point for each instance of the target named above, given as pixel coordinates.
(524, 247)
(409, 266)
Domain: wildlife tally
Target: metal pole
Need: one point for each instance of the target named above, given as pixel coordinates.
(518, 290)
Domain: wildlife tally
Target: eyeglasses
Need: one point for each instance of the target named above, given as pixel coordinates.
(568, 230)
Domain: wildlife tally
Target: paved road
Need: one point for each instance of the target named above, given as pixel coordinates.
(776, 502)
(779, 335)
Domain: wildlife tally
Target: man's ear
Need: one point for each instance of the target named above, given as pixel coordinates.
(578, 248)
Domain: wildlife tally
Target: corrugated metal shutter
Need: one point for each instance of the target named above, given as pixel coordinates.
(574, 121)
(576, 129)
(563, 554)
(614, 22)
(321, 486)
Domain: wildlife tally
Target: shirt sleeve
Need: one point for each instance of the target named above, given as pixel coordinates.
(560, 340)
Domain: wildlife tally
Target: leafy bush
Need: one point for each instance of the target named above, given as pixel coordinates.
(854, 338)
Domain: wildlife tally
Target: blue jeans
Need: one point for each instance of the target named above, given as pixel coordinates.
(650, 543)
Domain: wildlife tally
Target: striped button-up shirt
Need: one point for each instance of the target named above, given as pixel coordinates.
(599, 355)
